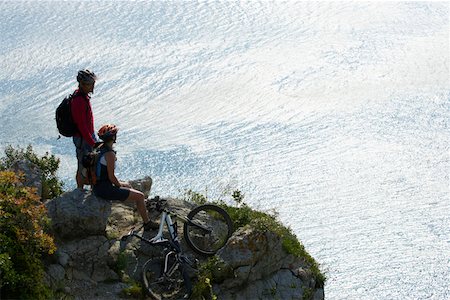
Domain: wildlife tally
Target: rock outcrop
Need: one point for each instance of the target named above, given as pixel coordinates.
(91, 259)
(86, 228)
(33, 175)
(260, 269)
(77, 215)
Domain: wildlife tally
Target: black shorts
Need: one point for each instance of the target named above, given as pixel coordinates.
(108, 191)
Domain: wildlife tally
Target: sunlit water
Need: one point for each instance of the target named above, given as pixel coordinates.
(335, 114)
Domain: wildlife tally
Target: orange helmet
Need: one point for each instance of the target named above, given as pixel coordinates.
(107, 131)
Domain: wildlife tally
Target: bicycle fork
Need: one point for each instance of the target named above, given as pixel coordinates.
(179, 262)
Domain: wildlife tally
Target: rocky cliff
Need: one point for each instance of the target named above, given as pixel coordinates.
(92, 263)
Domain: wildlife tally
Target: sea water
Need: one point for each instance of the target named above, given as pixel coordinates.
(333, 114)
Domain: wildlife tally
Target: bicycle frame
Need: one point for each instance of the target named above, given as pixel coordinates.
(170, 269)
(173, 258)
(174, 242)
(159, 239)
(172, 227)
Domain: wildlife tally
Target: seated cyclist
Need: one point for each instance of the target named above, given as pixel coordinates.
(108, 186)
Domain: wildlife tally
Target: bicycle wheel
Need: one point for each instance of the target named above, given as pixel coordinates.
(159, 284)
(208, 229)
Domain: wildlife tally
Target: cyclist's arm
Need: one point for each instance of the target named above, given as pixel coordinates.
(110, 164)
(83, 120)
(125, 184)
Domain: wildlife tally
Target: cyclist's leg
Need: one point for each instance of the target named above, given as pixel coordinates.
(78, 142)
(138, 198)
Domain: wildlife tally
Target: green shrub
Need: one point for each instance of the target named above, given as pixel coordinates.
(308, 294)
(208, 273)
(195, 197)
(48, 164)
(121, 263)
(135, 291)
(23, 241)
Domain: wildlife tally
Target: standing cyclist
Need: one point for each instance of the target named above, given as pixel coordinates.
(82, 115)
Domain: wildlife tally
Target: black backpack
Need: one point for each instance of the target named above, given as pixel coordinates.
(64, 121)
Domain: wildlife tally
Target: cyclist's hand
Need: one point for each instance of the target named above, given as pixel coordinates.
(97, 144)
(125, 184)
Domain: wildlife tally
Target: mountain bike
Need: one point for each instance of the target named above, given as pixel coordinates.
(207, 228)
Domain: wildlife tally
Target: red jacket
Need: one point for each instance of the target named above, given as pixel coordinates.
(82, 116)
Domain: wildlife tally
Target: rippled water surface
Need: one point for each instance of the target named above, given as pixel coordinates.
(335, 114)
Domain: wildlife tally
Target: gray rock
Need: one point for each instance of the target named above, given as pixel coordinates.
(78, 214)
(33, 175)
(261, 269)
(319, 294)
(303, 274)
(144, 185)
(88, 259)
(123, 216)
(63, 258)
(247, 251)
(56, 274)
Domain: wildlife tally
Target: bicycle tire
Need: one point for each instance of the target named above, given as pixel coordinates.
(218, 223)
(158, 285)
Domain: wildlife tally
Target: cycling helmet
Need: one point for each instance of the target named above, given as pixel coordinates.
(86, 76)
(108, 131)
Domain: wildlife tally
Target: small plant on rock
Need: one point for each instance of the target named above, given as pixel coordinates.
(209, 272)
(195, 197)
(134, 291)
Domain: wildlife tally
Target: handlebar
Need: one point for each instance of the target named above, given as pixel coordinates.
(156, 203)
